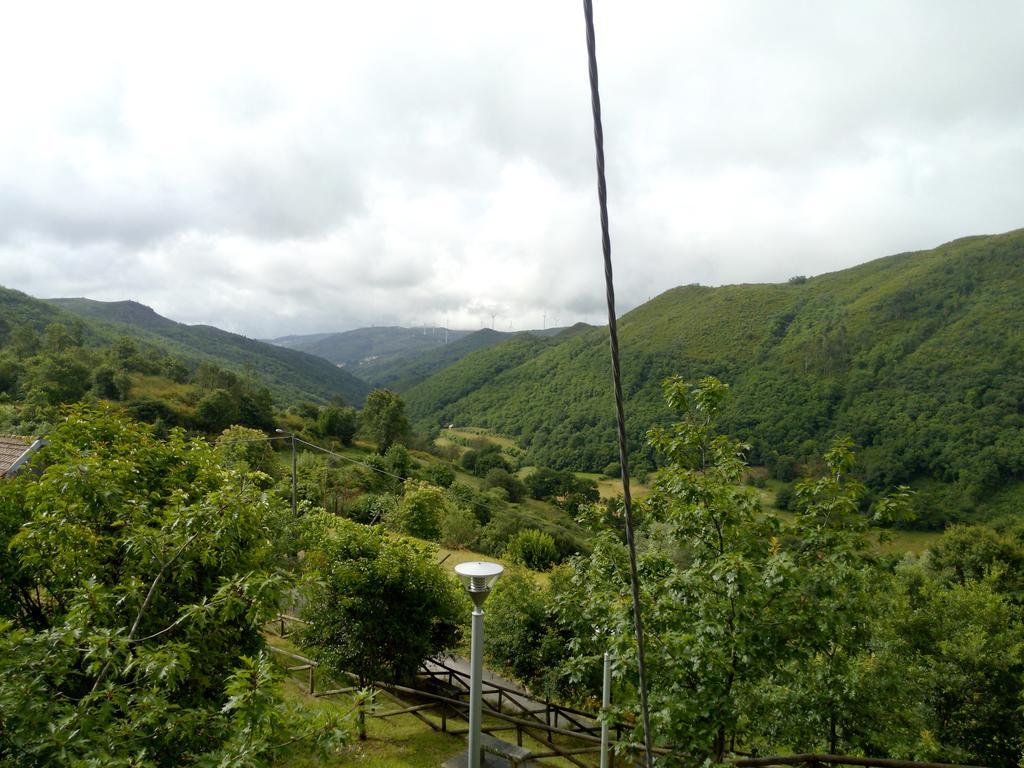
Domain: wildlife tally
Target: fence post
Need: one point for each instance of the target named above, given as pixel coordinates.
(282, 626)
(312, 680)
(519, 734)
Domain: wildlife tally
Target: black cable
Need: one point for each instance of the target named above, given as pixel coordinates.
(613, 341)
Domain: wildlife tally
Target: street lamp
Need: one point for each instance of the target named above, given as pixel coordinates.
(289, 434)
(478, 578)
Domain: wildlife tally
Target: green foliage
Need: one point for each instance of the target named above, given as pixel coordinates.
(338, 422)
(513, 486)
(141, 571)
(769, 638)
(383, 418)
(398, 461)
(377, 605)
(466, 496)
(533, 549)
(247, 450)
(562, 488)
(420, 511)
(483, 459)
(217, 411)
(439, 474)
(371, 508)
(518, 621)
(459, 528)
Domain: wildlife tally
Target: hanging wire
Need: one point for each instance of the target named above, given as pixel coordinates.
(613, 340)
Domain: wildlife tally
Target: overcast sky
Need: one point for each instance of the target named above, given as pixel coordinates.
(304, 167)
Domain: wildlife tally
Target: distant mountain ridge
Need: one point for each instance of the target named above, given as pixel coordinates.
(402, 373)
(290, 374)
(396, 357)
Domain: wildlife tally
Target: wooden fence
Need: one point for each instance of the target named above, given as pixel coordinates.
(542, 720)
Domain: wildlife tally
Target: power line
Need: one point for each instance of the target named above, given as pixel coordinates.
(613, 343)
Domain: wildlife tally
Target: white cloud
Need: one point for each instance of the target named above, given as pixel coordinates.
(339, 164)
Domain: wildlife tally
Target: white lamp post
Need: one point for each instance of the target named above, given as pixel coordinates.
(478, 579)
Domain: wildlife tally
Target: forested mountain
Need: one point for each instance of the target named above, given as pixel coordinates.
(355, 349)
(402, 373)
(290, 375)
(399, 358)
(919, 357)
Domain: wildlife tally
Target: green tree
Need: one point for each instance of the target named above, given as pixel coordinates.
(62, 377)
(439, 474)
(337, 421)
(144, 570)
(217, 410)
(500, 478)
(247, 450)
(732, 604)
(533, 549)
(377, 605)
(420, 511)
(24, 340)
(383, 418)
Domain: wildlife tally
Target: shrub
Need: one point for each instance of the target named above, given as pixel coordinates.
(439, 474)
(459, 528)
(419, 512)
(517, 622)
(377, 605)
(371, 507)
(500, 478)
(533, 549)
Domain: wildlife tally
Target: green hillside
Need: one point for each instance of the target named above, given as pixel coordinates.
(403, 373)
(290, 374)
(919, 356)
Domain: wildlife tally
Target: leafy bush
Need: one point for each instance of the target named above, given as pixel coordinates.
(499, 478)
(247, 450)
(371, 507)
(479, 504)
(377, 605)
(482, 460)
(439, 474)
(533, 549)
(419, 512)
(517, 625)
(459, 528)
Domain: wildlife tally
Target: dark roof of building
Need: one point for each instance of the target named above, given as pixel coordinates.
(12, 448)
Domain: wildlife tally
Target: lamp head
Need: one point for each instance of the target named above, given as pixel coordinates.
(478, 578)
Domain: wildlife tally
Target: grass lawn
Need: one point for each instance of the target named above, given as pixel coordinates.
(476, 433)
(610, 487)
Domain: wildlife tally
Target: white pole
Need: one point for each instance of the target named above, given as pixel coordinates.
(606, 700)
(476, 687)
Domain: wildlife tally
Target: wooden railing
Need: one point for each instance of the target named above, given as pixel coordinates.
(542, 720)
(818, 761)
